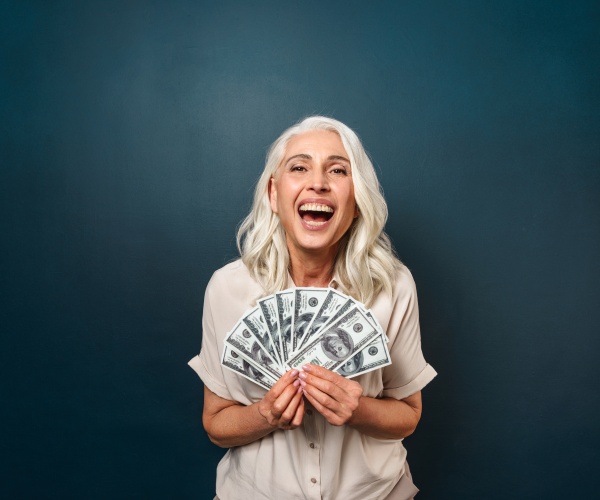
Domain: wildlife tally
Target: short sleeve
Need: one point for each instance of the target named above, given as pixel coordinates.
(409, 372)
(208, 363)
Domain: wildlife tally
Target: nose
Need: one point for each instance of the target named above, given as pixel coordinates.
(318, 181)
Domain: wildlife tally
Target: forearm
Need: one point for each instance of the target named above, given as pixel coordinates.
(229, 423)
(387, 418)
(236, 425)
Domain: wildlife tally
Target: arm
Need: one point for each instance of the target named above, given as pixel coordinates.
(341, 402)
(387, 418)
(229, 423)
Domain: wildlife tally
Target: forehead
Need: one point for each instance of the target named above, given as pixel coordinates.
(315, 142)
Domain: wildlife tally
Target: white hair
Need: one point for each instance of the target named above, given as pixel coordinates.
(365, 262)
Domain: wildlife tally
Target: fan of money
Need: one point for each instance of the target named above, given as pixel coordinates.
(288, 329)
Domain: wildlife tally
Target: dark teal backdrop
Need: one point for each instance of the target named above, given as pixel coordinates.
(132, 133)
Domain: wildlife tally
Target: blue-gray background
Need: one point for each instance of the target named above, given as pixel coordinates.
(132, 133)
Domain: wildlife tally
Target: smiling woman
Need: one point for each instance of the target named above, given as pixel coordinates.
(365, 263)
(313, 194)
(317, 220)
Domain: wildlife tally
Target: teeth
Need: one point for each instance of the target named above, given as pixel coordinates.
(314, 207)
(314, 223)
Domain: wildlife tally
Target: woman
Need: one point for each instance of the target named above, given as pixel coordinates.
(317, 220)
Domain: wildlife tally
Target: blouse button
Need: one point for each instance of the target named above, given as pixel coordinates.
(309, 412)
(313, 480)
(312, 445)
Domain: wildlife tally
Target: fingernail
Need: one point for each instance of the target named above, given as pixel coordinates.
(306, 368)
(300, 391)
(296, 383)
(303, 383)
(294, 372)
(302, 375)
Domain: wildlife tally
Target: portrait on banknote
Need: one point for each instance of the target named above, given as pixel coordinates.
(352, 365)
(337, 344)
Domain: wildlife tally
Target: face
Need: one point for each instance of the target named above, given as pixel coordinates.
(339, 348)
(349, 366)
(313, 194)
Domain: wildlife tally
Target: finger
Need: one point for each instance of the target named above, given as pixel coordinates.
(329, 415)
(338, 387)
(297, 420)
(322, 398)
(336, 404)
(324, 373)
(286, 379)
(279, 406)
(279, 386)
(290, 412)
(326, 386)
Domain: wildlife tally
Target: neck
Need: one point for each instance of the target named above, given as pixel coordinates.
(311, 270)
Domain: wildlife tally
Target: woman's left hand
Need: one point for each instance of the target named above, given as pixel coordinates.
(333, 396)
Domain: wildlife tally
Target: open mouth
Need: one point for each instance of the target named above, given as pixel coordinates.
(315, 214)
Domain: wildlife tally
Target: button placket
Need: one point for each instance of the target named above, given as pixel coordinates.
(313, 470)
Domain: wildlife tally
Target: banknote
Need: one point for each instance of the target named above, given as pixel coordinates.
(333, 304)
(307, 302)
(268, 306)
(337, 342)
(255, 321)
(285, 318)
(374, 355)
(237, 363)
(246, 344)
(369, 314)
(321, 326)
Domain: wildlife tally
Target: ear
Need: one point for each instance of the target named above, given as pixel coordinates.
(273, 194)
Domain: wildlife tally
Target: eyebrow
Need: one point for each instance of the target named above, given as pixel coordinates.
(304, 156)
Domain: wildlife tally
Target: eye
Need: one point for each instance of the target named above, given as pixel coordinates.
(339, 170)
(297, 168)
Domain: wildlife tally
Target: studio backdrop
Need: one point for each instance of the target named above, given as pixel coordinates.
(132, 134)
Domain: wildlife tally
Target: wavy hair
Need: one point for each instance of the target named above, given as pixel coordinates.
(365, 262)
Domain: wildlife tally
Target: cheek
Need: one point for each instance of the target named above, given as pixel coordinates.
(283, 194)
(351, 201)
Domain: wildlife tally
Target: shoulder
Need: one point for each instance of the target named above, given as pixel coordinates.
(402, 300)
(233, 282)
(233, 270)
(403, 284)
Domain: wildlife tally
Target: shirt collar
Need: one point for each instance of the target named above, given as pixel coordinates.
(334, 283)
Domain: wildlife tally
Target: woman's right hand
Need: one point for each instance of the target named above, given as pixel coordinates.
(283, 405)
(229, 423)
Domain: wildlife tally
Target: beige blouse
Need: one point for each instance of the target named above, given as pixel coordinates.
(316, 460)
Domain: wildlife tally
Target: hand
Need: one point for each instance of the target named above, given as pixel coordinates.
(333, 396)
(283, 405)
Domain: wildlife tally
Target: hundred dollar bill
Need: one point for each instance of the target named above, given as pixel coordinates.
(337, 342)
(307, 302)
(237, 363)
(246, 344)
(373, 356)
(268, 306)
(255, 321)
(376, 323)
(285, 318)
(334, 305)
